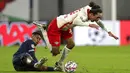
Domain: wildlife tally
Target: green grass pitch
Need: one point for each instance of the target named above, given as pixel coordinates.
(90, 59)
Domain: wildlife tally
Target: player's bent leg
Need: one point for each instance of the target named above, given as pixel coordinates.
(17, 64)
(25, 63)
(20, 61)
(60, 64)
(26, 58)
(65, 51)
(28, 61)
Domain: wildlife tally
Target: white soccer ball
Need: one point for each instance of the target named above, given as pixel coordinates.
(70, 67)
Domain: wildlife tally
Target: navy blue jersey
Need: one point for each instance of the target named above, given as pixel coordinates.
(27, 47)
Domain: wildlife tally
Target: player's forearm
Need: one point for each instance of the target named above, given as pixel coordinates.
(112, 35)
(109, 32)
(101, 25)
(80, 22)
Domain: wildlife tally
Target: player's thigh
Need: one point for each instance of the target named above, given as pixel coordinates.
(67, 35)
(17, 61)
(18, 67)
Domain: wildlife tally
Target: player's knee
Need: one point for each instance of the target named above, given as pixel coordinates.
(26, 58)
(71, 45)
(55, 51)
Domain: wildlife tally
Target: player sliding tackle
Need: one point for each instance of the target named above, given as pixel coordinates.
(60, 27)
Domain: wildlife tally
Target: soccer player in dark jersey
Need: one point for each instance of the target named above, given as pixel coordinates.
(25, 60)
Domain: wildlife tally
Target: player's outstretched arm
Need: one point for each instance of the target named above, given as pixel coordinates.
(80, 22)
(109, 32)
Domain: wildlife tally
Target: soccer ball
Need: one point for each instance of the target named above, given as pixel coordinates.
(70, 67)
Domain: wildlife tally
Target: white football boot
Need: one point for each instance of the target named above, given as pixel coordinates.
(59, 66)
(40, 62)
(40, 25)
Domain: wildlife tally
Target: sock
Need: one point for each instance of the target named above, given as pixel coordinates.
(50, 69)
(64, 54)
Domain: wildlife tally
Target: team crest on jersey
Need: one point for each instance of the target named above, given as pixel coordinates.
(32, 45)
(56, 43)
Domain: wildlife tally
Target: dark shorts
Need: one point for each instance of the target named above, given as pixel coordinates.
(20, 66)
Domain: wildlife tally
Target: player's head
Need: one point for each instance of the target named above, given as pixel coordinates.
(95, 13)
(37, 36)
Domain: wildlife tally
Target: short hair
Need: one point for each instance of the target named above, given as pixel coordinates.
(38, 32)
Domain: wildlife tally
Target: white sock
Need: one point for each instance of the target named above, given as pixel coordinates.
(65, 52)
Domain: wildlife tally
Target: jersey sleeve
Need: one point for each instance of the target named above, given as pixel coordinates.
(81, 20)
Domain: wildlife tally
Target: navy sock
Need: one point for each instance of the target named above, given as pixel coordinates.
(50, 69)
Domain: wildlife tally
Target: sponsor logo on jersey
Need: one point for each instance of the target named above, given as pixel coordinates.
(56, 43)
(31, 50)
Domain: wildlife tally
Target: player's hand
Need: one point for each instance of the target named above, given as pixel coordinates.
(94, 26)
(55, 52)
(112, 35)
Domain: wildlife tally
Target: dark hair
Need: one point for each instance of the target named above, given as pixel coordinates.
(96, 9)
(91, 4)
(38, 32)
